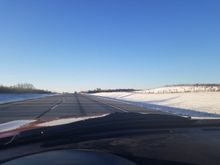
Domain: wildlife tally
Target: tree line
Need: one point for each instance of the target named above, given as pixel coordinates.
(22, 88)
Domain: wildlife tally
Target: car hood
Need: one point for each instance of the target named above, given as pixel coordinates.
(92, 126)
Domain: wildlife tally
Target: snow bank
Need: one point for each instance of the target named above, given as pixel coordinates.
(6, 98)
(195, 104)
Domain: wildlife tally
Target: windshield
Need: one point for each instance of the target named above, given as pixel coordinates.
(72, 62)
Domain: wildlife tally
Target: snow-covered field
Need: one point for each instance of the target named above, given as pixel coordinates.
(6, 98)
(195, 104)
(184, 89)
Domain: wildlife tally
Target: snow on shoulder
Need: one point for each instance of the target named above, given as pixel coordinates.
(199, 100)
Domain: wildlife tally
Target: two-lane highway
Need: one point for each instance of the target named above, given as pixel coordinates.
(66, 105)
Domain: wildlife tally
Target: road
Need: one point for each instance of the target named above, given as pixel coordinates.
(66, 105)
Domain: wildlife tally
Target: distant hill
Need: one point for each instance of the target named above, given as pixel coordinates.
(21, 88)
(183, 88)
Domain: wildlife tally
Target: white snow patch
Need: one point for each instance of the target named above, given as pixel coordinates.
(67, 121)
(195, 104)
(14, 125)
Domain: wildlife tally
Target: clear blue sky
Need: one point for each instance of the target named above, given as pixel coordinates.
(67, 45)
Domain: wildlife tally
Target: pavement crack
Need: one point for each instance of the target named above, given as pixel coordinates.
(54, 106)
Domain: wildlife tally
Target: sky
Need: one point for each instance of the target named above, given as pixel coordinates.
(73, 45)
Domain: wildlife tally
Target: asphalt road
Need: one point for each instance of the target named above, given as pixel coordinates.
(66, 105)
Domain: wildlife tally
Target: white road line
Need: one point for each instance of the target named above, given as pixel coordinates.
(144, 113)
(112, 106)
(55, 106)
(121, 101)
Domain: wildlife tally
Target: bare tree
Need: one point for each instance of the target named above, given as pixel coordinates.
(24, 86)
